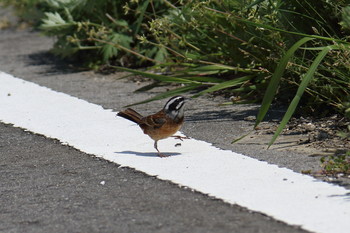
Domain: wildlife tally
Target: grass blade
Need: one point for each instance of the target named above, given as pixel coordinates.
(217, 68)
(167, 94)
(241, 137)
(227, 84)
(304, 83)
(275, 80)
(148, 87)
(203, 79)
(142, 9)
(158, 77)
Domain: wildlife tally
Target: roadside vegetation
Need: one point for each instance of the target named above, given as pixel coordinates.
(336, 165)
(295, 53)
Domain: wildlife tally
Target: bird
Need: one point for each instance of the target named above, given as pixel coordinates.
(161, 125)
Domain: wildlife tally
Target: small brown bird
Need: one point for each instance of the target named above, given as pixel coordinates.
(162, 124)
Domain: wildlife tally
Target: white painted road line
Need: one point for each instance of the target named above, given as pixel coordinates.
(278, 192)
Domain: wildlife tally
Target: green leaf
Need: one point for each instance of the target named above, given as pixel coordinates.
(272, 28)
(304, 83)
(275, 80)
(217, 67)
(241, 137)
(227, 84)
(158, 77)
(345, 23)
(256, 2)
(54, 22)
(109, 50)
(149, 86)
(141, 9)
(202, 79)
(167, 94)
(121, 23)
(161, 54)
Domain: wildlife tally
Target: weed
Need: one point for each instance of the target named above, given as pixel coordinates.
(293, 52)
(336, 164)
(98, 32)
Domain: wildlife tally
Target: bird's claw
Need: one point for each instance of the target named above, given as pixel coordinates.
(162, 155)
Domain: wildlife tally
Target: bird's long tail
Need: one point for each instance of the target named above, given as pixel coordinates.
(131, 115)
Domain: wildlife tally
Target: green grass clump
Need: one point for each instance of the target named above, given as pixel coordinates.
(290, 51)
(98, 32)
(336, 164)
(295, 53)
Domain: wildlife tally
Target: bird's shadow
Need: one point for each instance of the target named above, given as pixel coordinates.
(147, 154)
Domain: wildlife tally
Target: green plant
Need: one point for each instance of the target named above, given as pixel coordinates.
(227, 32)
(292, 52)
(274, 82)
(192, 78)
(336, 164)
(104, 31)
(344, 134)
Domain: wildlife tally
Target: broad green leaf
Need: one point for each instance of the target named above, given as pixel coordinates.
(109, 50)
(121, 22)
(161, 54)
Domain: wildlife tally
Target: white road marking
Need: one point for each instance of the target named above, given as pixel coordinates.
(278, 192)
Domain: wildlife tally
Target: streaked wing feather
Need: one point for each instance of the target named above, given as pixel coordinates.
(155, 122)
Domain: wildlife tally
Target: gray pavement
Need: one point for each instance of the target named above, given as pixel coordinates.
(48, 187)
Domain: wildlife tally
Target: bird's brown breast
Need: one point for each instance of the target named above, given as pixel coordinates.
(164, 129)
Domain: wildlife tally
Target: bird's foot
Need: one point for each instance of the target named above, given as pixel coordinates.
(162, 155)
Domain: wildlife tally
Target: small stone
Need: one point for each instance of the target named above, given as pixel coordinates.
(322, 135)
(309, 127)
(250, 118)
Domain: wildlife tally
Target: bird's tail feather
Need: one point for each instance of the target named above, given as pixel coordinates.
(131, 115)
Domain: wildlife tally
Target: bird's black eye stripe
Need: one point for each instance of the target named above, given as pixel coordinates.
(179, 105)
(175, 103)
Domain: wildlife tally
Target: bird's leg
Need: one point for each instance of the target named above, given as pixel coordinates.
(180, 137)
(159, 154)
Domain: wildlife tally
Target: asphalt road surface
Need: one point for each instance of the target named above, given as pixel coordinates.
(49, 187)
